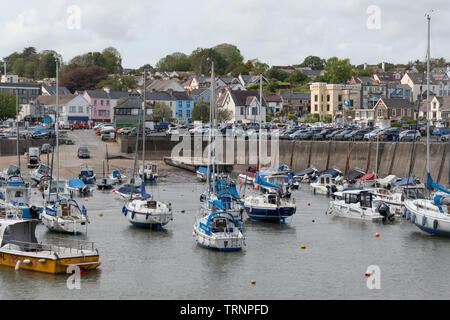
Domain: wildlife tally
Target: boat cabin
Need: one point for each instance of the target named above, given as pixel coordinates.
(325, 179)
(363, 197)
(413, 193)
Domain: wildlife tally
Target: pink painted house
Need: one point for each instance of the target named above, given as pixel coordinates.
(100, 105)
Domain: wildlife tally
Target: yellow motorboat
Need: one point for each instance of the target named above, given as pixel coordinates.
(20, 249)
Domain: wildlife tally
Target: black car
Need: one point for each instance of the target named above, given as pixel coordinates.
(322, 134)
(309, 134)
(70, 141)
(340, 136)
(333, 133)
(359, 135)
(83, 152)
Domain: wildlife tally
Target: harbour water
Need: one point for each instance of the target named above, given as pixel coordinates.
(143, 264)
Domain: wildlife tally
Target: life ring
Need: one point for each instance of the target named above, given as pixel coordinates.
(435, 224)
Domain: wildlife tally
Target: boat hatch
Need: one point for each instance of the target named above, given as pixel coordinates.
(151, 204)
(219, 225)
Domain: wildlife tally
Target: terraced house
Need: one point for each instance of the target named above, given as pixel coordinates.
(101, 106)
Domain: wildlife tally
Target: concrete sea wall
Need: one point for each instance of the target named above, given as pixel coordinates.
(393, 157)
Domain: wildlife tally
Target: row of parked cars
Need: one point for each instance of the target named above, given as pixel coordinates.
(352, 134)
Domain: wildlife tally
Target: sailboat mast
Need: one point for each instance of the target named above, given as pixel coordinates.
(214, 124)
(428, 95)
(17, 129)
(260, 119)
(56, 129)
(143, 127)
(211, 117)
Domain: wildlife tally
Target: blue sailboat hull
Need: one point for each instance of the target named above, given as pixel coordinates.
(269, 215)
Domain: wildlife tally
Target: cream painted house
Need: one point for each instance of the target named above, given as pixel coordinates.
(337, 100)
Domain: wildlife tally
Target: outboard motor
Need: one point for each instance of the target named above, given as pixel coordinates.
(385, 212)
(34, 212)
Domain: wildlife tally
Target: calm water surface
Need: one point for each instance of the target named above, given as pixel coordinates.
(143, 264)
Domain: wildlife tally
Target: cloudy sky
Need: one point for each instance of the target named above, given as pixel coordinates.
(279, 32)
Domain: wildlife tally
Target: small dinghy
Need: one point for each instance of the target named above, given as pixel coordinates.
(76, 185)
(127, 193)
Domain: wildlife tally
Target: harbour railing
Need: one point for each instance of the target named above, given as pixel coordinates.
(78, 246)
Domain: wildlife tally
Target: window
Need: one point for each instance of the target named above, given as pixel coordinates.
(434, 115)
(72, 109)
(80, 109)
(149, 112)
(180, 113)
(328, 107)
(328, 97)
(409, 112)
(254, 111)
(393, 112)
(101, 102)
(134, 112)
(339, 98)
(316, 97)
(188, 114)
(107, 102)
(242, 111)
(380, 113)
(315, 107)
(95, 102)
(351, 102)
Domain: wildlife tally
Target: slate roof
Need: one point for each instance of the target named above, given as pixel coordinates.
(118, 94)
(51, 100)
(98, 94)
(52, 90)
(397, 103)
(287, 95)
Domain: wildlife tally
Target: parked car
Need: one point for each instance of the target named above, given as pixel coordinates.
(409, 135)
(331, 135)
(340, 136)
(83, 152)
(45, 148)
(390, 134)
(33, 157)
(70, 141)
(445, 137)
(358, 135)
(322, 134)
(172, 130)
(296, 134)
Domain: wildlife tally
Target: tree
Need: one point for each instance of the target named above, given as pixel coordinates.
(84, 78)
(224, 115)
(7, 105)
(201, 61)
(28, 52)
(297, 77)
(201, 112)
(174, 62)
(260, 68)
(338, 71)
(118, 83)
(279, 75)
(18, 67)
(47, 65)
(314, 62)
(162, 112)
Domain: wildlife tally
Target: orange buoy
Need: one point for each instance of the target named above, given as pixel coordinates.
(240, 182)
(377, 234)
(101, 214)
(303, 246)
(113, 190)
(309, 203)
(367, 274)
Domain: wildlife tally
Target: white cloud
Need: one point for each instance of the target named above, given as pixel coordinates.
(278, 32)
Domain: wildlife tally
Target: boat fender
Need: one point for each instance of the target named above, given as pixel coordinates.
(435, 224)
(413, 218)
(424, 220)
(19, 262)
(146, 216)
(125, 211)
(132, 215)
